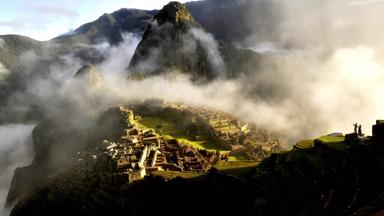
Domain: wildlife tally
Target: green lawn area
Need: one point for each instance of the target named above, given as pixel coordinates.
(174, 174)
(172, 130)
(336, 143)
(305, 144)
(225, 165)
(332, 139)
(238, 168)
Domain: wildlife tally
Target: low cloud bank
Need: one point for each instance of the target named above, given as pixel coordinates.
(15, 151)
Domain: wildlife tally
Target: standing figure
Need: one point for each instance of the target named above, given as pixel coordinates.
(355, 128)
(360, 130)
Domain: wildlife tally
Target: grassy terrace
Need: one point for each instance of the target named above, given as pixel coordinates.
(236, 168)
(174, 174)
(334, 142)
(227, 165)
(173, 128)
(332, 139)
(305, 144)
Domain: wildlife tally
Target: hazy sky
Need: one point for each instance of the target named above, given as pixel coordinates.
(45, 19)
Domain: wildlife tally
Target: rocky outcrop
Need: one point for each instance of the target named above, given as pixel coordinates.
(57, 140)
(175, 42)
(169, 44)
(90, 77)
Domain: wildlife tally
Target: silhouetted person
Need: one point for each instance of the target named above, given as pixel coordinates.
(360, 130)
(355, 128)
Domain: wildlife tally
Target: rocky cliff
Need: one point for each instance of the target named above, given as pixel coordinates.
(168, 44)
(57, 140)
(175, 42)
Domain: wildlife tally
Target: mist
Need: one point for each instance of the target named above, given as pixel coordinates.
(315, 77)
(15, 151)
(321, 70)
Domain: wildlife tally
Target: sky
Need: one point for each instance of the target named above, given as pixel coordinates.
(45, 19)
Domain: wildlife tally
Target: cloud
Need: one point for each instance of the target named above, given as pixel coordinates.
(55, 11)
(315, 78)
(14, 24)
(4, 72)
(15, 151)
(211, 47)
(117, 57)
(366, 2)
(43, 20)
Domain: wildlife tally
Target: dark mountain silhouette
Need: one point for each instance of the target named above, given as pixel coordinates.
(169, 44)
(174, 41)
(227, 20)
(109, 27)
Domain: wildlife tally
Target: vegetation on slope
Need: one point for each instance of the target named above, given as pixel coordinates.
(172, 125)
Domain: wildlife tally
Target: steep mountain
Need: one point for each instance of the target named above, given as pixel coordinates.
(103, 28)
(133, 20)
(227, 20)
(174, 41)
(169, 44)
(109, 27)
(12, 47)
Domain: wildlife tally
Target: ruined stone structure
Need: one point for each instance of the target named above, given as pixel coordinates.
(141, 152)
(230, 132)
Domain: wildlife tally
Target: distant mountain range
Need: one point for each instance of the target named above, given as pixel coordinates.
(228, 21)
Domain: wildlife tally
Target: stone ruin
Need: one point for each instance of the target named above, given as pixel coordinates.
(231, 133)
(142, 152)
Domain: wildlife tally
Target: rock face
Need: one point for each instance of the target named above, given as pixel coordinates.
(56, 142)
(175, 13)
(174, 41)
(109, 27)
(90, 75)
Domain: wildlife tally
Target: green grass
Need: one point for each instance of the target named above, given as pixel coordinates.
(332, 139)
(305, 144)
(233, 158)
(225, 165)
(175, 174)
(173, 129)
(238, 168)
(336, 143)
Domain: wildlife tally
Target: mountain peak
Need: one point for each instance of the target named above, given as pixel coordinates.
(174, 12)
(107, 19)
(169, 44)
